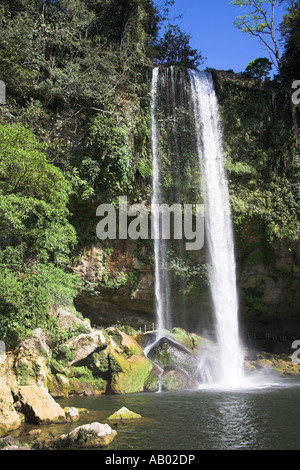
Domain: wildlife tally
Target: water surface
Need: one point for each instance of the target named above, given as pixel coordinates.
(261, 418)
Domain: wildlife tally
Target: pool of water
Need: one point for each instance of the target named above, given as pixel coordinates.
(264, 417)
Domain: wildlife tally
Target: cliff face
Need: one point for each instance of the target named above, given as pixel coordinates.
(269, 293)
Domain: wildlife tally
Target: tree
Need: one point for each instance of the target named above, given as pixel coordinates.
(259, 68)
(174, 49)
(33, 200)
(259, 21)
(36, 237)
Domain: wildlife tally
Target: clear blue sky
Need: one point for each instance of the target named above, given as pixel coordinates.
(210, 23)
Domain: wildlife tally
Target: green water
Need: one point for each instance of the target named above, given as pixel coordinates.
(262, 418)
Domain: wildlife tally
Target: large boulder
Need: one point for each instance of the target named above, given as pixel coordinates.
(176, 379)
(77, 349)
(94, 435)
(66, 319)
(128, 367)
(63, 386)
(168, 353)
(38, 406)
(123, 342)
(128, 374)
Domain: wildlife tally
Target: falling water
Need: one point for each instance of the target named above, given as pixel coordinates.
(162, 289)
(218, 227)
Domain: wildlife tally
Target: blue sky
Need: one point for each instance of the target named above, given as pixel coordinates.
(210, 23)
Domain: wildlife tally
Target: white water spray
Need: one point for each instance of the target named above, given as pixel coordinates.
(219, 232)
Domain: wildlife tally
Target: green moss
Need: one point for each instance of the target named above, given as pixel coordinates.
(23, 372)
(35, 370)
(128, 375)
(49, 384)
(67, 354)
(85, 376)
(162, 357)
(189, 340)
(99, 363)
(64, 385)
(123, 414)
(151, 383)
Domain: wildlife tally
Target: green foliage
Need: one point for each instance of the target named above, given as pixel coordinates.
(274, 205)
(174, 49)
(254, 298)
(259, 142)
(259, 22)
(28, 293)
(112, 144)
(290, 32)
(36, 237)
(33, 199)
(183, 273)
(259, 68)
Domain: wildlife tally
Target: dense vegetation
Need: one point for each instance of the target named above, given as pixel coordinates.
(75, 133)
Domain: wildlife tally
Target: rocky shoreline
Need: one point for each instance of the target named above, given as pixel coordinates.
(79, 360)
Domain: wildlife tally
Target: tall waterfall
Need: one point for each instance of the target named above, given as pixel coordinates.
(162, 290)
(219, 233)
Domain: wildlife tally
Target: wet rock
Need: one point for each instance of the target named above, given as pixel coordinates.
(27, 364)
(168, 353)
(176, 379)
(35, 432)
(126, 343)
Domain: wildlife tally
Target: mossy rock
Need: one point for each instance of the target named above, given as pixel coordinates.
(82, 385)
(174, 379)
(127, 343)
(152, 384)
(123, 414)
(98, 363)
(166, 353)
(93, 435)
(190, 340)
(3, 432)
(128, 374)
(265, 363)
(58, 368)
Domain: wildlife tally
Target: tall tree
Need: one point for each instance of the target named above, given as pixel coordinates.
(259, 21)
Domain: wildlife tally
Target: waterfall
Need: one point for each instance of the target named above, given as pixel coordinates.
(219, 234)
(161, 283)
